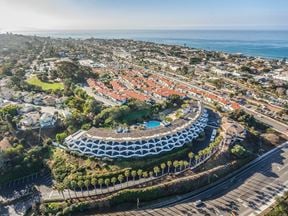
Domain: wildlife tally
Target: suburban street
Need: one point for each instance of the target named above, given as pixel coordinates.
(248, 193)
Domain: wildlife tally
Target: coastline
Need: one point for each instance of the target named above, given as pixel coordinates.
(255, 43)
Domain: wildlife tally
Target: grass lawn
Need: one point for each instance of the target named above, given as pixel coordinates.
(44, 85)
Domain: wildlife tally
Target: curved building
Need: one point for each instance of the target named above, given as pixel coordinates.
(100, 142)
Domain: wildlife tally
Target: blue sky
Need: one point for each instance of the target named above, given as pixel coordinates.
(144, 14)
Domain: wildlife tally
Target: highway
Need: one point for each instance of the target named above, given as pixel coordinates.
(247, 193)
(276, 125)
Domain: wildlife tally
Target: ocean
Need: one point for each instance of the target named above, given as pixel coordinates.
(267, 44)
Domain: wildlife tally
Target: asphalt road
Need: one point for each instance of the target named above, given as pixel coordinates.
(276, 125)
(248, 193)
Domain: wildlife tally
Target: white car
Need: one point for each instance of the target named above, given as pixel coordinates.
(198, 203)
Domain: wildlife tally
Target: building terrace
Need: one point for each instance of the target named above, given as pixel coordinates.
(173, 127)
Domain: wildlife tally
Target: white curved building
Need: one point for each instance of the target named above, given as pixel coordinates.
(101, 142)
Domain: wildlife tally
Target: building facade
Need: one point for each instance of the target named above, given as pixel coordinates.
(103, 143)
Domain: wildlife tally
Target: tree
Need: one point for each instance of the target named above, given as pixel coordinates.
(107, 183)
(60, 137)
(145, 174)
(120, 179)
(10, 110)
(73, 185)
(133, 174)
(81, 185)
(151, 174)
(127, 175)
(87, 185)
(185, 163)
(181, 164)
(100, 182)
(190, 155)
(67, 184)
(239, 151)
(113, 181)
(156, 170)
(94, 183)
(169, 164)
(60, 188)
(197, 159)
(163, 166)
(139, 173)
(175, 165)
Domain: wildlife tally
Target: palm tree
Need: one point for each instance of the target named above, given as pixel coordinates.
(94, 183)
(169, 164)
(113, 181)
(151, 174)
(100, 182)
(120, 179)
(163, 166)
(73, 185)
(139, 173)
(145, 174)
(60, 188)
(156, 170)
(107, 183)
(175, 164)
(197, 159)
(127, 175)
(200, 154)
(133, 174)
(87, 185)
(181, 163)
(190, 155)
(81, 185)
(186, 164)
(67, 185)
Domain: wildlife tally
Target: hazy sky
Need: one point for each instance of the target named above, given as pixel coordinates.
(143, 14)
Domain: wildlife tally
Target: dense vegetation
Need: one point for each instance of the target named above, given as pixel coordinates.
(248, 120)
(73, 72)
(19, 162)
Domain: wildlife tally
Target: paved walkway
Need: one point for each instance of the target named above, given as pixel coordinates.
(50, 195)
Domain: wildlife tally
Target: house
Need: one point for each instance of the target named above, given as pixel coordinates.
(29, 121)
(27, 109)
(47, 120)
(65, 114)
(28, 98)
(49, 100)
(234, 132)
(37, 100)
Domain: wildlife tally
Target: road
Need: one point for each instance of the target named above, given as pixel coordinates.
(248, 193)
(276, 125)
